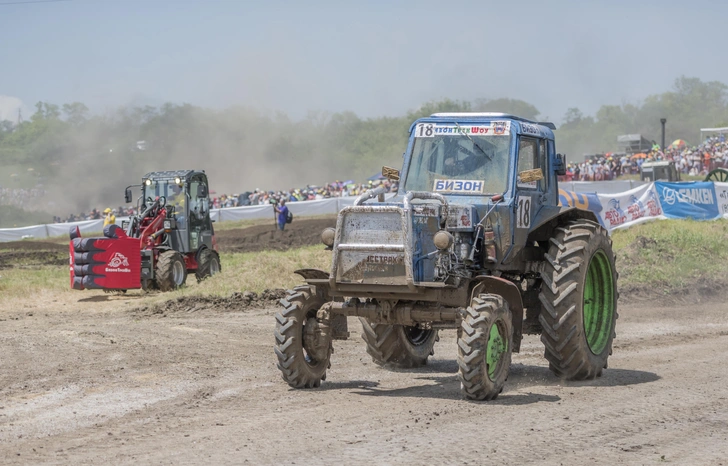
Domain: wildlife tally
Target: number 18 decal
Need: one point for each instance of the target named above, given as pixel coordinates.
(425, 130)
(524, 212)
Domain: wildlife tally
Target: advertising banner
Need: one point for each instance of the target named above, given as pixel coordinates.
(694, 199)
(628, 208)
(721, 194)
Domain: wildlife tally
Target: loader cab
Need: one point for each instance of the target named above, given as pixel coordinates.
(187, 200)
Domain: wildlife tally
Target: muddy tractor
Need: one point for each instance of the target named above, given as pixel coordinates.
(474, 241)
(170, 237)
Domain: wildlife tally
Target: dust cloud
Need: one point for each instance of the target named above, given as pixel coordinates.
(240, 149)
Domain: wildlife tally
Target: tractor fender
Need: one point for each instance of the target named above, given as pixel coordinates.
(546, 222)
(510, 293)
(318, 278)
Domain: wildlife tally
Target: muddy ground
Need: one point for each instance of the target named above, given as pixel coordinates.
(32, 254)
(262, 237)
(89, 378)
(92, 378)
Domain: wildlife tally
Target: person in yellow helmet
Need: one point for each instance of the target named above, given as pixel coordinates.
(109, 217)
(177, 198)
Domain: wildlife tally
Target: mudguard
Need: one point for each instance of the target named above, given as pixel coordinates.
(511, 294)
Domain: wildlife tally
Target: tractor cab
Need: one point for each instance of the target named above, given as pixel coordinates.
(185, 196)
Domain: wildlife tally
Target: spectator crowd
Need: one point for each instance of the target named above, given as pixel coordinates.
(255, 197)
(309, 193)
(689, 160)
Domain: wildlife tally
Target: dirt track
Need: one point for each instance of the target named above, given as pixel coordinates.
(261, 237)
(88, 379)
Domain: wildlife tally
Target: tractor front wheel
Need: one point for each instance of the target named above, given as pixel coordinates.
(398, 346)
(485, 343)
(171, 271)
(208, 264)
(303, 350)
(579, 298)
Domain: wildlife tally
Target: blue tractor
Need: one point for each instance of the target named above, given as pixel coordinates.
(475, 240)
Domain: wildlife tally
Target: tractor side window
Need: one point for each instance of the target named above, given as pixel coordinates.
(198, 205)
(543, 158)
(527, 160)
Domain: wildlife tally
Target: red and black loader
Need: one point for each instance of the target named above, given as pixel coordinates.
(170, 237)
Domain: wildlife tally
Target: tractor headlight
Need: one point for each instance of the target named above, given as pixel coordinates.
(178, 180)
(443, 240)
(148, 182)
(327, 237)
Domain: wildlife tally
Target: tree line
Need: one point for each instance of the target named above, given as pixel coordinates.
(87, 159)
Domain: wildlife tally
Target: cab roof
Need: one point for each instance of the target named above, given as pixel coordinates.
(172, 174)
(522, 125)
(478, 115)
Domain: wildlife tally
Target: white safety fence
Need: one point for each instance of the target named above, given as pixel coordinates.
(298, 209)
(626, 193)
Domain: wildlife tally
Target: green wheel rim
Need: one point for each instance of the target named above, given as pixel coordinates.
(497, 346)
(598, 302)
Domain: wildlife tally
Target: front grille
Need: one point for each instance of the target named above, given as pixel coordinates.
(371, 246)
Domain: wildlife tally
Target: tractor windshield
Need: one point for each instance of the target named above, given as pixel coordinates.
(464, 159)
(174, 193)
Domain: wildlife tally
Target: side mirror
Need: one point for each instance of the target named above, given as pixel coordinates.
(560, 164)
(127, 195)
(201, 191)
(392, 174)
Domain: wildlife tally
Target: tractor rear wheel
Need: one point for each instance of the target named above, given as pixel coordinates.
(303, 351)
(485, 344)
(171, 271)
(398, 346)
(208, 264)
(579, 297)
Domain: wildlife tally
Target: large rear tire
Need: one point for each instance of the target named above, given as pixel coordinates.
(303, 353)
(485, 344)
(171, 271)
(579, 297)
(208, 264)
(398, 346)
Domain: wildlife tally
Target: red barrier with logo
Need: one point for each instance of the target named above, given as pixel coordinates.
(105, 263)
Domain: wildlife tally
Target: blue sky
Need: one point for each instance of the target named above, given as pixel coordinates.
(373, 58)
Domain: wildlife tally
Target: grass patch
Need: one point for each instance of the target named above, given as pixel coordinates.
(240, 272)
(672, 253)
(33, 281)
(658, 256)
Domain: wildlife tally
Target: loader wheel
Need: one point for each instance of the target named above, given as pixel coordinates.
(398, 346)
(579, 297)
(207, 265)
(485, 343)
(303, 352)
(171, 271)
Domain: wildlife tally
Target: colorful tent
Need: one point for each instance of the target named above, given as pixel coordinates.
(678, 144)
